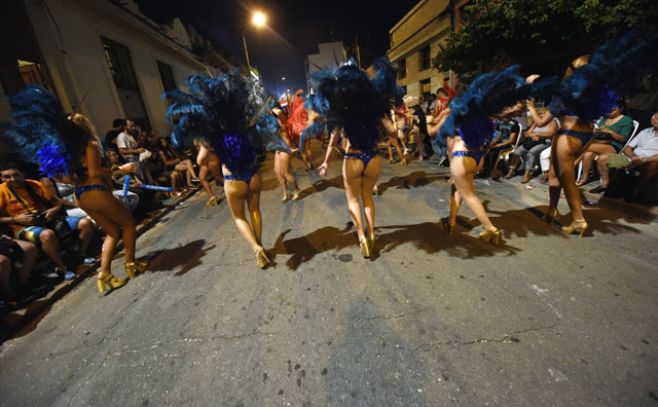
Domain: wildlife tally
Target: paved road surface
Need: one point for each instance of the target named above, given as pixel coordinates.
(544, 320)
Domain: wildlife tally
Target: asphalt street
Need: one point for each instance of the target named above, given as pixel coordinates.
(432, 320)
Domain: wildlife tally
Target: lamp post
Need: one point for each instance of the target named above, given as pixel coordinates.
(258, 20)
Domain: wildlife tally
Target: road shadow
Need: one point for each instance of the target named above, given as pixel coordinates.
(188, 256)
(414, 180)
(305, 248)
(324, 184)
(373, 365)
(528, 221)
(431, 238)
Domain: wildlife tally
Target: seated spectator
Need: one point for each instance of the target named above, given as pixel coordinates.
(507, 130)
(173, 164)
(35, 216)
(13, 252)
(640, 154)
(610, 135)
(535, 140)
(131, 151)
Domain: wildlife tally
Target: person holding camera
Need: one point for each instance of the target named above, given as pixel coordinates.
(35, 216)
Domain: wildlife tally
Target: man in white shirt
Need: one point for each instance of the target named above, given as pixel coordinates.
(640, 154)
(127, 144)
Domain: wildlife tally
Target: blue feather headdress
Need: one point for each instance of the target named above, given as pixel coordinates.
(349, 99)
(616, 68)
(42, 134)
(231, 113)
(489, 94)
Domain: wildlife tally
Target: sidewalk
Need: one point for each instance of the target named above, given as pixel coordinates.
(16, 320)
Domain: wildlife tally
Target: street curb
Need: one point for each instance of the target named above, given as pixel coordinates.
(38, 306)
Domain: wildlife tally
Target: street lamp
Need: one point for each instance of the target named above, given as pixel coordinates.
(258, 20)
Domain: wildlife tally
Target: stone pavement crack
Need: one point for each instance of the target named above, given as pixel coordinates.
(508, 337)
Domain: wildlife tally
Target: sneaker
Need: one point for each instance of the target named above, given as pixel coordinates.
(89, 261)
(67, 274)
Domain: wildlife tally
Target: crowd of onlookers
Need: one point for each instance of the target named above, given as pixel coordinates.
(622, 160)
(39, 217)
(45, 236)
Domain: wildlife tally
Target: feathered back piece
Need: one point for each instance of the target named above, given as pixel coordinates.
(616, 67)
(231, 113)
(349, 99)
(488, 95)
(43, 135)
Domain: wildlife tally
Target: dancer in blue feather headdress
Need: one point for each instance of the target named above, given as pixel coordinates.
(232, 114)
(356, 106)
(68, 149)
(468, 128)
(589, 90)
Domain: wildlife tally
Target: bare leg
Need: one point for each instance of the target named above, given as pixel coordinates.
(115, 219)
(85, 233)
(236, 195)
(278, 158)
(368, 182)
(463, 171)
(203, 175)
(352, 169)
(50, 246)
(567, 150)
(455, 203)
(253, 204)
(287, 174)
(587, 160)
(602, 165)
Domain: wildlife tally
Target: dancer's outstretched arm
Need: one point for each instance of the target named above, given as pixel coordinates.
(322, 169)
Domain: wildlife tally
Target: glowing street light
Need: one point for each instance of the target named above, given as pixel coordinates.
(258, 20)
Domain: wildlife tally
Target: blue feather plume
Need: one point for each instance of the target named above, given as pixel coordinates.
(44, 135)
(348, 99)
(488, 95)
(619, 65)
(231, 113)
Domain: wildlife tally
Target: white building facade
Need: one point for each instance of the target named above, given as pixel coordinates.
(103, 58)
(330, 56)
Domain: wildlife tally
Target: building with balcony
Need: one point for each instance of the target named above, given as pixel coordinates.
(415, 41)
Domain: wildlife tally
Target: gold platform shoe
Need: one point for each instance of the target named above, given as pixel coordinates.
(136, 267)
(109, 282)
(493, 236)
(577, 226)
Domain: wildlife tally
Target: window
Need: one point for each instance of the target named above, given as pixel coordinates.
(120, 64)
(167, 76)
(425, 58)
(402, 68)
(425, 86)
(121, 67)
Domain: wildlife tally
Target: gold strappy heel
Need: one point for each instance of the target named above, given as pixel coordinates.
(577, 226)
(109, 282)
(493, 236)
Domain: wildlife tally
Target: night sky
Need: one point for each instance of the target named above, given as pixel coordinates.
(295, 29)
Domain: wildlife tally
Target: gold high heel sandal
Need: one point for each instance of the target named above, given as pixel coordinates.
(365, 248)
(371, 244)
(493, 236)
(109, 282)
(135, 267)
(577, 226)
(550, 216)
(261, 258)
(211, 202)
